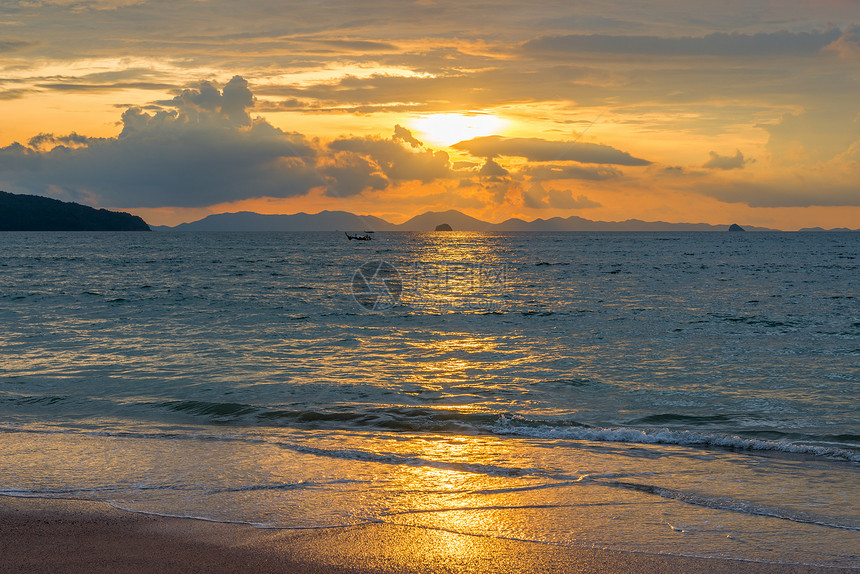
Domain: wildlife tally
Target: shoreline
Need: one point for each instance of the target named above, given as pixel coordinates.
(59, 535)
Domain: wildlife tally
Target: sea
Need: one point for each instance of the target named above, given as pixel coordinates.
(677, 393)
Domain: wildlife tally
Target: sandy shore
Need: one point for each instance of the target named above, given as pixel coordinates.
(70, 536)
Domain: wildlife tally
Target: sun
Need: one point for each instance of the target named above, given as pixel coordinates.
(448, 129)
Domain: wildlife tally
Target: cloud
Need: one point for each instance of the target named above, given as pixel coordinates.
(204, 151)
(348, 174)
(563, 199)
(79, 87)
(792, 193)
(492, 169)
(402, 134)
(536, 149)
(359, 45)
(8, 46)
(537, 197)
(231, 103)
(779, 44)
(396, 161)
(550, 172)
(15, 93)
(446, 89)
(718, 161)
(50, 141)
(848, 45)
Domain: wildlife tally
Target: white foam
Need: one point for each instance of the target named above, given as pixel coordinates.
(509, 426)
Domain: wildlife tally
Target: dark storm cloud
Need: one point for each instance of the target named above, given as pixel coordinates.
(536, 149)
(782, 43)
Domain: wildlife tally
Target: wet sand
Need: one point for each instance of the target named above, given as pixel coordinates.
(38, 535)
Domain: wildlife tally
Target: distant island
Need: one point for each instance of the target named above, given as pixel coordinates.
(736, 227)
(19, 212)
(443, 227)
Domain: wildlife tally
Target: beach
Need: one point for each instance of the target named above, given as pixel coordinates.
(39, 535)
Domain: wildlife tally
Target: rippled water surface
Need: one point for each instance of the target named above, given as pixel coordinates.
(687, 393)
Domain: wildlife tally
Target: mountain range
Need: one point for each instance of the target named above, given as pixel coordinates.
(345, 221)
(27, 212)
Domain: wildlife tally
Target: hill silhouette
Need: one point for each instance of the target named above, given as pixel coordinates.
(345, 221)
(20, 212)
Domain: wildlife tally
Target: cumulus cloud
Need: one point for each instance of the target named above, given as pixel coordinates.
(536, 149)
(395, 160)
(204, 151)
(718, 161)
(348, 174)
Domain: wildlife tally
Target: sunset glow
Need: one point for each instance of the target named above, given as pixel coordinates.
(447, 129)
(604, 111)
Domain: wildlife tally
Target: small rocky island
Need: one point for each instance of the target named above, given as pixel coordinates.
(19, 212)
(443, 227)
(736, 227)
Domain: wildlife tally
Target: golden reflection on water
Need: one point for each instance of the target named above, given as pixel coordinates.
(455, 358)
(456, 493)
(456, 247)
(459, 271)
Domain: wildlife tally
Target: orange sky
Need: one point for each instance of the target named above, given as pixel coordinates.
(675, 111)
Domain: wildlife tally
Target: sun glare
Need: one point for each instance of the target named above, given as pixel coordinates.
(448, 129)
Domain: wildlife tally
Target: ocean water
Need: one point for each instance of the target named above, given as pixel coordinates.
(678, 393)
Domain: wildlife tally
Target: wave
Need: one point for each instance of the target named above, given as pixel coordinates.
(548, 479)
(512, 426)
(419, 419)
(422, 419)
(738, 505)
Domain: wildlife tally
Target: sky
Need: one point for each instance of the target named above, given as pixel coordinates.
(680, 111)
